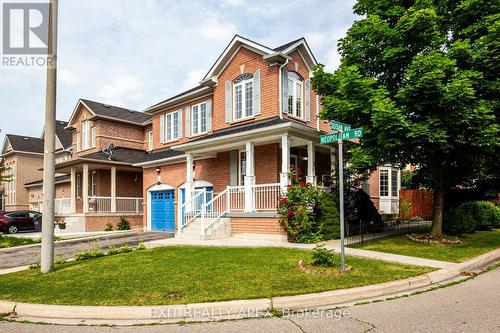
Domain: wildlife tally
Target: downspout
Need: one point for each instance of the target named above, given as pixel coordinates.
(280, 88)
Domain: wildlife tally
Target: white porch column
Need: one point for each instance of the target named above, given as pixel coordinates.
(113, 189)
(311, 163)
(285, 162)
(85, 188)
(189, 179)
(73, 191)
(249, 176)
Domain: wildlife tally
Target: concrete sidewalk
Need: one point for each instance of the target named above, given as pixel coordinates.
(332, 245)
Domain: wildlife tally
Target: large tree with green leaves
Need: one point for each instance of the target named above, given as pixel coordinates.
(421, 78)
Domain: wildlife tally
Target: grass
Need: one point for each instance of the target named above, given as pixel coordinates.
(472, 245)
(9, 241)
(179, 275)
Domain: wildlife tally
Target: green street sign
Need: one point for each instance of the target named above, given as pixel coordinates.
(347, 135)
(338, 126)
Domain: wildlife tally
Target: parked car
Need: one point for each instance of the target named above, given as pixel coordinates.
(12, 222)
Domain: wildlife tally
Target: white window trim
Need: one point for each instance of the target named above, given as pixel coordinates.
(93, 184)
(241, 177)
(150, 140)
(389, 170)
(293, 113)
(93, 137)
(243, 99)
(198, 106)
(78, 187)
(78, 142)
(85, 140)
(169, 128)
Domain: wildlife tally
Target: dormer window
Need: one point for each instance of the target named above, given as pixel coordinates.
(295, 94)
(243, 96)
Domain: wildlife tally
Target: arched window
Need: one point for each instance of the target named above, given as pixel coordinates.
(243, 96)
(295, 94)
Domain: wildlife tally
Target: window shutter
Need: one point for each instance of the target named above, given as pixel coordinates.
(308, 100)
(256, 92)
(93, 137)
(233, 168)
(188, 121)
(229, 102)
(209, 115)
(162, 128)
(179, 124)
(284, 90)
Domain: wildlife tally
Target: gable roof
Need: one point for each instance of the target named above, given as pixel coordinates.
(111, 112)
(23, 144)
(287, 45)
(63, 134)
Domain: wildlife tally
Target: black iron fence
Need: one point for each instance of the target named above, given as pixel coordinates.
(360, 233)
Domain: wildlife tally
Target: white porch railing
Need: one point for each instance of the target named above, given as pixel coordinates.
(191, 209)
(123, 205)
(215, 209)
(128, 205)
(236, 198)
(62, 206)
(266, 196)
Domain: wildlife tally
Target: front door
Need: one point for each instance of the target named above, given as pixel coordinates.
(162, 211)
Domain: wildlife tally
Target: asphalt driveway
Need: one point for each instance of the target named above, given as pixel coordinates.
(21, 256)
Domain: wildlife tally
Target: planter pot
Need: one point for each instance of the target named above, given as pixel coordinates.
(62, 226)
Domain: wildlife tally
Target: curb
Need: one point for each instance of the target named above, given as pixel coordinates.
(76, 239)
(133, 315)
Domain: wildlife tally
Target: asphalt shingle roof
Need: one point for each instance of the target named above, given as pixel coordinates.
(25, 143)
(161, 154)
(63, 134)
(120, 154)
(117, 113)
(58, 179)
(287, 45)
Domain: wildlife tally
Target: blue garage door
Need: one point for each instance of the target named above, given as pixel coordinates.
(162, 211)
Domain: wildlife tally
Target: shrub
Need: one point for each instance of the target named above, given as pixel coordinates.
(60, 261)
(140, 246)
(123, 224)
(34, 266)
(125, 248)
(327, 217)
(88, 254)
(296, 210)
(109, 227)
(113, 250)
(471, 216)
(322, 256)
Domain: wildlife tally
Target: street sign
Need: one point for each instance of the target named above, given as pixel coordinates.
(347, 135)
(338, 126)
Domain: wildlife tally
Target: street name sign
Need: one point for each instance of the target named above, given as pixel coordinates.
(338, 126)
(347, 135)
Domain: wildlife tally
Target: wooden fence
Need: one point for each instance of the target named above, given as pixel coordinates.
(421, 202)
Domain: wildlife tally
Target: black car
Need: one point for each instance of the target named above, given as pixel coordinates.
(12, 222)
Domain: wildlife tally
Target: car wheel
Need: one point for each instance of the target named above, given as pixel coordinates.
(12, 229)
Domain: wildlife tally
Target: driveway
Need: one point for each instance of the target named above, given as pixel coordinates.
(471, 306)
(21, 256)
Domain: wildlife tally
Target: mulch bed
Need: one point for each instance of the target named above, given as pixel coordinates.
(308, 269)
(430, 239)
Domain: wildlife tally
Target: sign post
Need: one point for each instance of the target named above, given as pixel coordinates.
(344, 132)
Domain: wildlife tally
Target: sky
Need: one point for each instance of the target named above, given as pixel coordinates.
(135, 53)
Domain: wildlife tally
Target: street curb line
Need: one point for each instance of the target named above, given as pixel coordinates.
(113, 235)
(131, 315)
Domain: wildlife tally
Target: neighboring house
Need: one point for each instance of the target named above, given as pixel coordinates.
(23, 156)
(383, 186)
(222, 151)
(101, 183)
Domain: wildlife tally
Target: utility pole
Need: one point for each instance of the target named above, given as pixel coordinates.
(47, 256)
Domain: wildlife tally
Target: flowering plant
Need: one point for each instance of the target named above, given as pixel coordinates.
(296, 209)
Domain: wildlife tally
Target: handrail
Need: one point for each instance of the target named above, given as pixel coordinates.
(215, 209)
(186, 219)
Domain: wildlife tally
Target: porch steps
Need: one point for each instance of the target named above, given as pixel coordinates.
(219, 230)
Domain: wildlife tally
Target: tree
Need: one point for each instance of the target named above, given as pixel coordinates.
(421, 78)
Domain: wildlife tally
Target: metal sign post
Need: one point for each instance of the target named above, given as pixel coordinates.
(344, 132)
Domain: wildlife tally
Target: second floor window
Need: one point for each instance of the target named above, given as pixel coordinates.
(243, 96)
(85, 134)
(172, 125)
(199, 116)
(150, 140)
(294, 94)
(384, 183)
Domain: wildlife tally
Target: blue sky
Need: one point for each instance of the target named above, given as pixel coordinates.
(134, 53)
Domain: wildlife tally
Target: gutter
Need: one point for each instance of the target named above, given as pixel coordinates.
(160, 161)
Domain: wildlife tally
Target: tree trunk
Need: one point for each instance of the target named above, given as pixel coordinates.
(437, 220)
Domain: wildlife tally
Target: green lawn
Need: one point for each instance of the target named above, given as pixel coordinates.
(9, 241)
(472, 245)
(177, 275)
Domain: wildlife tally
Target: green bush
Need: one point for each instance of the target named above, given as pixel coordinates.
(327, 217)
(322, 256)
(113, 250)
(123, 224)
(109, 227)
(125, 248)
(471, 216)
(88, 254)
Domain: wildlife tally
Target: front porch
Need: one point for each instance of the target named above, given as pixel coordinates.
(247, 204)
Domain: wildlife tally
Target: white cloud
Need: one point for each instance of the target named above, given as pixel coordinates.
(66, 76)
(193, 78)
(122, 89)
(214, 29)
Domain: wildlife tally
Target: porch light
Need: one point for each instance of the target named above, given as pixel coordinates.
(158, 170)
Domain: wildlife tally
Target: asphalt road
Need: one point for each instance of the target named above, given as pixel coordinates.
(21, 256)
(472, 306)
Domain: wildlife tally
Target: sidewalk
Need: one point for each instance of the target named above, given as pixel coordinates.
(67, 235)
(332, 245)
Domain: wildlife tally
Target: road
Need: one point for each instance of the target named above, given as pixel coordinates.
(471, 306)
(14, 257)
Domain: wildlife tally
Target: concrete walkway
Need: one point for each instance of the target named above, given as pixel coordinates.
(332, 245)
